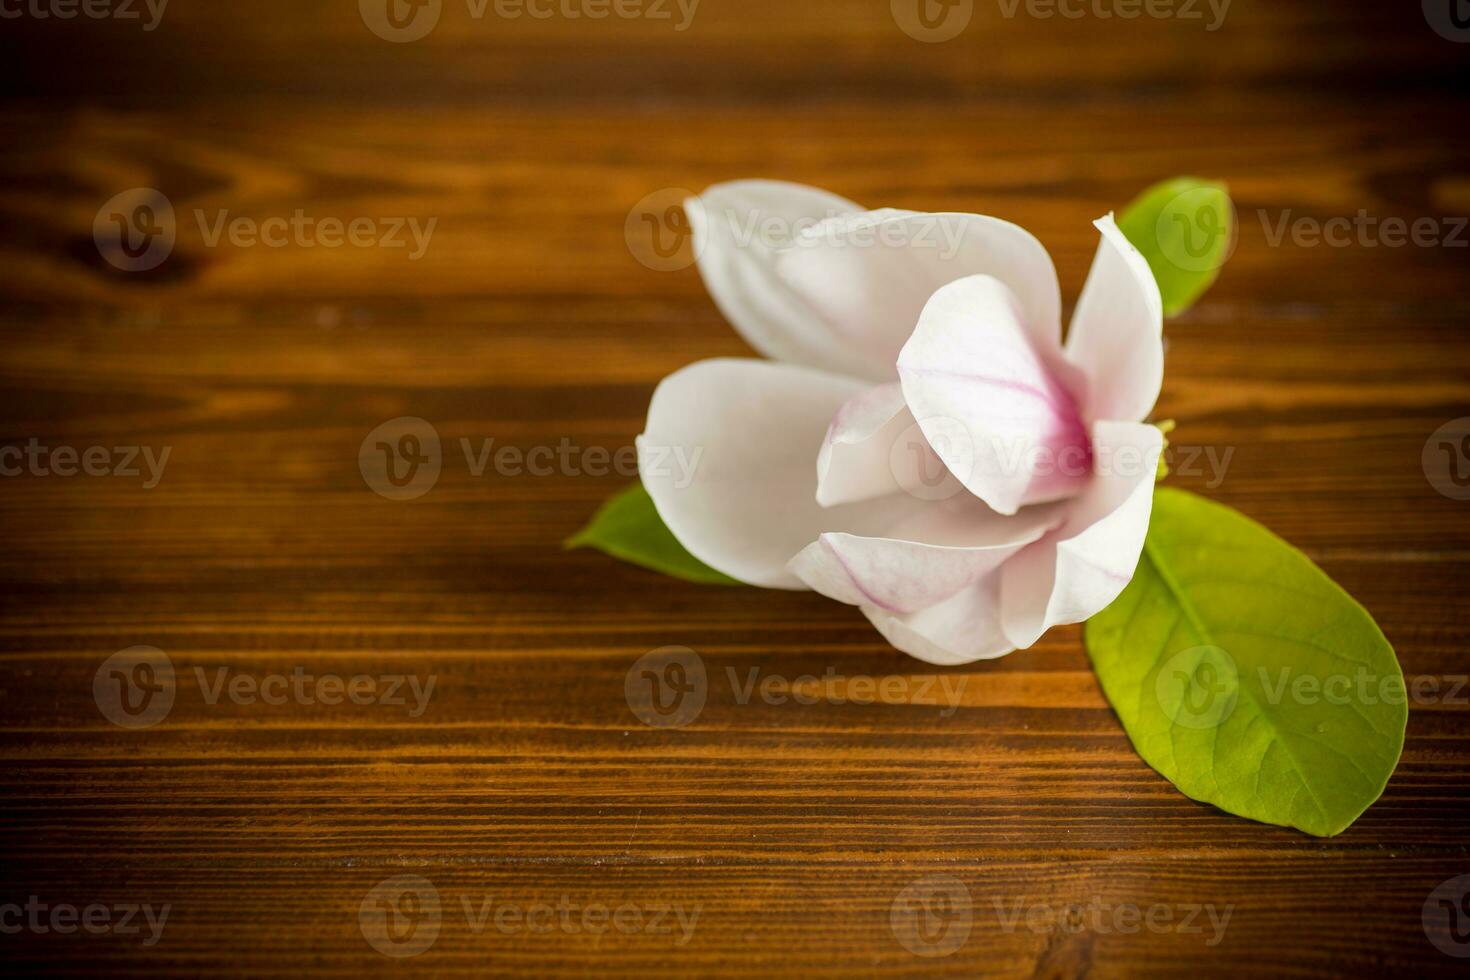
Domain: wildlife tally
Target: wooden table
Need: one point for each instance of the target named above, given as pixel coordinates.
(805, 837)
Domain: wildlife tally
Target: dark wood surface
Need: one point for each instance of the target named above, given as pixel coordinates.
(793, 829)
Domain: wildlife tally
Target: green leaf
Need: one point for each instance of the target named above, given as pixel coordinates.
(628, 527)
(1248, 677)
(1185, 227)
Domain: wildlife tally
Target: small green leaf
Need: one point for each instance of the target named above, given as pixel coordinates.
(1185, 227)
(1246, 676)
(628, 527)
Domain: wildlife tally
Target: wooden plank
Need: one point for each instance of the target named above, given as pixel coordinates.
(795, 831)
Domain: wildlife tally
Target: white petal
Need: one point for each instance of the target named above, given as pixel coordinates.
(1116, 337)
(870, 275)
(961, 629)
(1078, 569)
(855, 462)
(727, 458)
(992, 404)
(738, 228)
(926, 558)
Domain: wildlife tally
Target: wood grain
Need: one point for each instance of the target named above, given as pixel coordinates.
(793, 829)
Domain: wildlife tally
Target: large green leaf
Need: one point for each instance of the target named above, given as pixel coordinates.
(1185, 227)
(1248, 677)
(628, 527)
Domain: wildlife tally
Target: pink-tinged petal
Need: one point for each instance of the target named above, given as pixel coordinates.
(925, 558)
(1116, 337)
(875, 447)
(993, 405)
(855, 462)
(738, 229)
(1078, 569)
(869, 275)
(960, 630)
(727, 458)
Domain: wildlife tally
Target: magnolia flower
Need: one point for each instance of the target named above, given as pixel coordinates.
(921, 445)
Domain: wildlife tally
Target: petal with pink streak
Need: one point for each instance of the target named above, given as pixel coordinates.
(924, 558)
(959, 630)
(993, 405)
